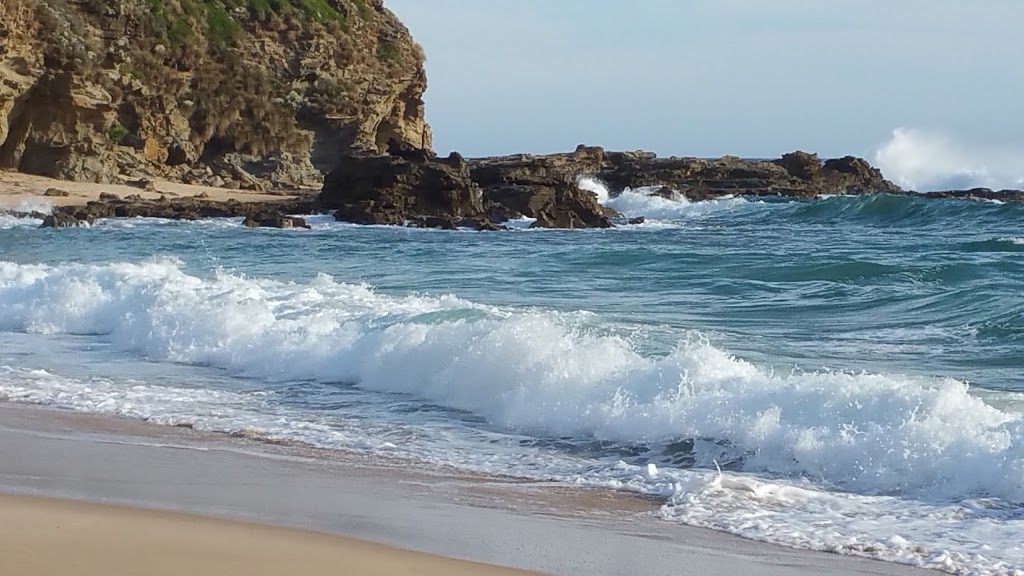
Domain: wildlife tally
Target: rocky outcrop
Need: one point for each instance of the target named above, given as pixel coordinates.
(242, 93)
(543, 188)
(392, 189)
(1013, 196)
(257, 214)
(797, 174)
(410, 186)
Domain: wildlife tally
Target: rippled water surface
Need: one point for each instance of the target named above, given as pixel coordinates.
(854, 365)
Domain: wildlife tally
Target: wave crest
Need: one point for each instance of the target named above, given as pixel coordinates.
(542, 373)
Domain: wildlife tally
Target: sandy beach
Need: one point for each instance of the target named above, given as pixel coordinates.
(320, 499)
(26, 192)
(99, 540)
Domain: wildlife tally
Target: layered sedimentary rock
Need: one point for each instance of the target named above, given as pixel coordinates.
(237, 93)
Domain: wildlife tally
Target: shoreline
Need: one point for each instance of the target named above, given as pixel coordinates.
(46, 452)
(20, 191)
(102, 540)
(62, 203)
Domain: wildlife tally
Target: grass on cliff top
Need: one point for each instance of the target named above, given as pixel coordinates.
(221, 17)
(317, 10)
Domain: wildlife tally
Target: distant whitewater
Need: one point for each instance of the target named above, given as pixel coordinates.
(926, 161)
(839, 374)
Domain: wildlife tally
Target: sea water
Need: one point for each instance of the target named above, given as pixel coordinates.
(841, 374)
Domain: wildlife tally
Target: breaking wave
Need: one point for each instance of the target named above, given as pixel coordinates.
(541, 373)
(927, 161)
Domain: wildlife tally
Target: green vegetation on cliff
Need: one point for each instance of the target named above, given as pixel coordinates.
(151, 86)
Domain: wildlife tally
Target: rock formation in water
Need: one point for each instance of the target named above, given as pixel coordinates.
(236, 93)
(265, 214)
(401, 187)
(257, 94)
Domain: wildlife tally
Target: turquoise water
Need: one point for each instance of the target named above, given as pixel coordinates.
(868, 352)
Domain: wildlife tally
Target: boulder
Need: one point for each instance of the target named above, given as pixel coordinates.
(62, 220)
(389, 189)
(274, 220)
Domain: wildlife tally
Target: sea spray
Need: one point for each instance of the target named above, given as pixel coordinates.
(925, 161)
(645, 202)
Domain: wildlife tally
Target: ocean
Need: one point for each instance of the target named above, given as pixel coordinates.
(842, 374)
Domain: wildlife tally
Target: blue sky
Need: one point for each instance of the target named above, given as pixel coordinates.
(714, 77)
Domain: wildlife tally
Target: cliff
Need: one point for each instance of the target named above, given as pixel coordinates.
(237, 93)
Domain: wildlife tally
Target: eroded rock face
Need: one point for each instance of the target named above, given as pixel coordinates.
(204, 90)
(409, 186)
(390, 189)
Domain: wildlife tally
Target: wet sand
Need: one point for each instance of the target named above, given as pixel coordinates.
(48, 537)
(493, 520)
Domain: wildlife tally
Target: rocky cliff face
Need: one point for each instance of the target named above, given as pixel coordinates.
(245, 93)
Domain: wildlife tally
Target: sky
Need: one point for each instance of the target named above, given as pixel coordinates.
(753, 78)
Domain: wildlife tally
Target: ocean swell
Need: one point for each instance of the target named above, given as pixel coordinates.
(546, 374)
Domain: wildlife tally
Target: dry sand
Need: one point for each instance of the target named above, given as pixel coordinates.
(44, 537)
(25, 192)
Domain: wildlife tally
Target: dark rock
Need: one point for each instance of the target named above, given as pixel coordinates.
(370, 189)
(109, 196)
(267, 214)
(1015, 196)
(143, 183)
(441, 222)
(407, 151)
(180, 153)
(56, 192)
(409, 184)
(274, 220)
(801, 164)
(488, 226)
(501, 213)
(797, 174)
(63, 220)
(637, 220)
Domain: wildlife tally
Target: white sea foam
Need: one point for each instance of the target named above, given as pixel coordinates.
(826, 460)
(538, 372)
(926, 161)
(642, 202)
(40, 205)
(8, 221)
